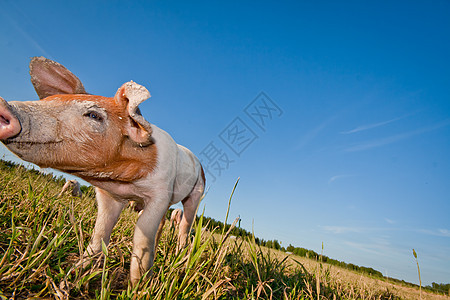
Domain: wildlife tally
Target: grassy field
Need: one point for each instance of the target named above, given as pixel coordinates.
(42, 237)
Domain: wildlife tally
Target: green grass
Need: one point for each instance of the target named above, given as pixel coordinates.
(42, 237)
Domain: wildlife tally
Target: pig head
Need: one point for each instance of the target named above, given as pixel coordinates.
(107, 142)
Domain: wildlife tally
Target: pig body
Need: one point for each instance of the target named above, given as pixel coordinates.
(108, 143)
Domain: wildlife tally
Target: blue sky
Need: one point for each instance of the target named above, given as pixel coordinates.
(354, 148)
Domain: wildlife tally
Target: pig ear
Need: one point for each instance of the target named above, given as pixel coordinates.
(51, 78)
(132, 94)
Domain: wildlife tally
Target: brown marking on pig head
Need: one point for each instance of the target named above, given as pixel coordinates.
(100, 139)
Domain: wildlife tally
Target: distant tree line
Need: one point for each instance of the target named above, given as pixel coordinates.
(275, 244)
(323, 258)
(440, 287)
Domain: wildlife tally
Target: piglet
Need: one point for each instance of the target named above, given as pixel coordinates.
(73, 187)
(107, 142)
(175, 217)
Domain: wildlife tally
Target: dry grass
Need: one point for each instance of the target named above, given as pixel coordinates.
(42, 236)
(353, 280)
(353, 284)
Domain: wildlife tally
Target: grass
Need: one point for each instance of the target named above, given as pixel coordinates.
(42, 237)
(418, 270)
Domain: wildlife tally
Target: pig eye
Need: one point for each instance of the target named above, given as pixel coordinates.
(93, 115)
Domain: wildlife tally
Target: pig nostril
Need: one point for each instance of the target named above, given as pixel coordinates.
(4, 120)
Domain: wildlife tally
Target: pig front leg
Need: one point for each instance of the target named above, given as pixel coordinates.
(109, 210)
(146, 233)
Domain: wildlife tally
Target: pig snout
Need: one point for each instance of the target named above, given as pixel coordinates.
(9, 123)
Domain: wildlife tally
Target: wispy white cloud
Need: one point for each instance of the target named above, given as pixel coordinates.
(389, 221)
(396, 138)
(437, 232)
(310, 135)
(376, 247)
(18, 24)
(444, 232)
(371, 126)
(364, 230)
(357, 229)
(342, 229)
(337, 177)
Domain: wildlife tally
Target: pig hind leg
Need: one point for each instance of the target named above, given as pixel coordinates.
(190, 205)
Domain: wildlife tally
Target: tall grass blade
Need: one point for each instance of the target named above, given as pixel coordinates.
(418, 270)
(229, 204)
